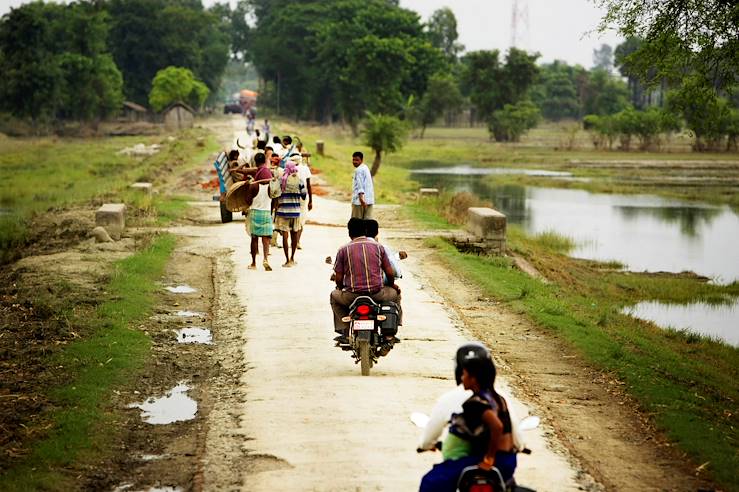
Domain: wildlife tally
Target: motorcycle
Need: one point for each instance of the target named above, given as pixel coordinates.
(475, 479)
(372, 330)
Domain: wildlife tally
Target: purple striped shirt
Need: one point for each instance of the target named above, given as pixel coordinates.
(361, 263)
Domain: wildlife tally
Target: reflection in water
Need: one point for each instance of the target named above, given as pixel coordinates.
(717, 321)
(644, 232)
(689, 218)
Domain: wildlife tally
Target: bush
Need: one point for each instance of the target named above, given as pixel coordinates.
(647, 126)
(509, 123)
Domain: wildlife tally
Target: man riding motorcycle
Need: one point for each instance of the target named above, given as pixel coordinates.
(358, 272)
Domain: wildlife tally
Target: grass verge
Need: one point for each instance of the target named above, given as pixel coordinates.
(112, 355)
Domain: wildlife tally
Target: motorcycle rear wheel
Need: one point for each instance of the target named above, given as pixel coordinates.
(365, 361)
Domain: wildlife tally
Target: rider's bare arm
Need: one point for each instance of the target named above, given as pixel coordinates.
(493, 423)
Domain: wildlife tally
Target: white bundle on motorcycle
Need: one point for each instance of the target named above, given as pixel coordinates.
(436, 425)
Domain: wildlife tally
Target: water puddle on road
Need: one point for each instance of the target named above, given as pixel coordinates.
(174, 406)
(189, 314)
(716, 321)
(194, 334)
(182, 289)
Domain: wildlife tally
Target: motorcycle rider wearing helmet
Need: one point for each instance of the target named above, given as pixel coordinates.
(481, 434)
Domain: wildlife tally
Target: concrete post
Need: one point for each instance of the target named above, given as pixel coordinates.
(112, 216)
(319, 147)
(489, 227)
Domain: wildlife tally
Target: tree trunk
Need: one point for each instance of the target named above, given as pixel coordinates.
(423, 130)
(376, 163)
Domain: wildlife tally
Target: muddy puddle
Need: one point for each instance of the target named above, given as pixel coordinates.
(181, 289)
(194, 334)
(174, 406)
(129, 487)
(716, 321)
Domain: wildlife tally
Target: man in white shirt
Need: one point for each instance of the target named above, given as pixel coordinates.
(363, 190)
(304, 174)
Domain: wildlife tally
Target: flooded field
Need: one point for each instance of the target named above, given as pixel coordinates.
(716, 321)
(643, 232)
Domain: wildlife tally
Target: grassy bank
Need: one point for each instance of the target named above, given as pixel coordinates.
(41, 175)
(110, 354)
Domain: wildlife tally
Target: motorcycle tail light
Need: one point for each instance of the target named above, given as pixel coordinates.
(363, 309)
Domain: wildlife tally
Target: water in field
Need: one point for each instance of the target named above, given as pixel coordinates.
(643, 232)
(716, 321)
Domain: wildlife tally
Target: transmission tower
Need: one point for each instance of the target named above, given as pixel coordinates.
(519, 24)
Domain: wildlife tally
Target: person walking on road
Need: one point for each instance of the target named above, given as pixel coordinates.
(363, 190)
(358, 272)
(260, 214)
(287, 216)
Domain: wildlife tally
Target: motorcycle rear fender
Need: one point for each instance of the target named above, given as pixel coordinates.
(364, 335)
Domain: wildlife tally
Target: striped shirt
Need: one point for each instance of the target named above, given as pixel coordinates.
(288, 204)
(361, 262)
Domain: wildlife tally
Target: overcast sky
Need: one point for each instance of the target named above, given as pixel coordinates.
(558, 29)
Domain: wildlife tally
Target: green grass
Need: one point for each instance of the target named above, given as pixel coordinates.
(37, 175)
(112, 355)
(687, 382)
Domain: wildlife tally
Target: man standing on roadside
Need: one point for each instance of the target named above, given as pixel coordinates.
(363, 190)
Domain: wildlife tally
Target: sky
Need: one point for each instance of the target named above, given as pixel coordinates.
(557, 29)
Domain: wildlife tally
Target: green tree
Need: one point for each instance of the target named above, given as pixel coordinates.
(148, 35)
(55, 63)
(604, 94)
(383, 133)
(603, 58)
(556, 92)
(706, 114)
(442, 96)
(174, 84)
(678, 37)
(340, 59)
(441, 30)
(514, 120)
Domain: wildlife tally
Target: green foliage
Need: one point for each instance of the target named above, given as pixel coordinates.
(491, 86)
(174, 84)
(604, 94)
(509, 123)
(442, 96)
(149, 35)
(678, 37)
(557, 91)
(332, 61)
(707, 115)
(383, 133)
(441, 30)
(55, 63)
(647, 126)
(603, 58)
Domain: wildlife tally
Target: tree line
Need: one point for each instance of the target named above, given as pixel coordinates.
(80, 61)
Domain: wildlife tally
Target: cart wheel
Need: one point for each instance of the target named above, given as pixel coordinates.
(226, 214)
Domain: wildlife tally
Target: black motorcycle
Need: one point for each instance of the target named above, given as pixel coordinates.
(372, 330)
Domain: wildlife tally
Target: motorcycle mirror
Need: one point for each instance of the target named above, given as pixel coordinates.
(529, 423)
(419, 419)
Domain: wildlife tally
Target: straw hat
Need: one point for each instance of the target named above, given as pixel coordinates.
(239, 197)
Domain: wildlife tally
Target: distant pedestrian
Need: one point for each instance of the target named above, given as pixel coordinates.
(266, 130)
(363, 190)
(305, 205)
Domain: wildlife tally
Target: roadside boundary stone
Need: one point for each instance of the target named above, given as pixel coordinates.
(112, 216)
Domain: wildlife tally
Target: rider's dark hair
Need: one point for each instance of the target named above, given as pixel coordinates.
(233, 155)
(358, 154)
(287, 139)
(260, 158)
(356, 227)
(372, 227)
(261, 144)
(269, 147)
(276, 139)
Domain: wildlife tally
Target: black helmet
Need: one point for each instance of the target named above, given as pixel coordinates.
(468, 352)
